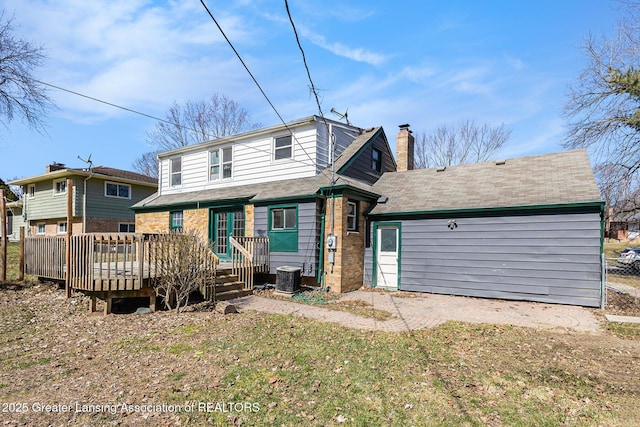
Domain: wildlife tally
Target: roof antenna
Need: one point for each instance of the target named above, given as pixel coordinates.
(344, 116)
(88, 161)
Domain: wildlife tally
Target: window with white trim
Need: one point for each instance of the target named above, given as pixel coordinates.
(352, 216)
(283, 148)
(176, 171)
(31, 191)
(220, 159)
(60, 186)
(126, 227)
(40, 228)
(114, 189)
(62, 227)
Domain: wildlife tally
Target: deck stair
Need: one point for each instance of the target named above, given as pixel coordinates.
(227, 286)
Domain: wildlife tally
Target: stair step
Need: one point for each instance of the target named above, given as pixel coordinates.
(226, 278)
(227, 295)
(229, 286)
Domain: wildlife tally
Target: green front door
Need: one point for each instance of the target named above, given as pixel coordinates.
(226, 224)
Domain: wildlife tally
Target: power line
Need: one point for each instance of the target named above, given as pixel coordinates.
(256, 81)
(111, 104)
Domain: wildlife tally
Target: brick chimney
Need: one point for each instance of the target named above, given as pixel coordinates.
(55, 166)
(404, 149)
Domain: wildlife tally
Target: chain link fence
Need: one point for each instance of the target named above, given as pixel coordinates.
(622, 280)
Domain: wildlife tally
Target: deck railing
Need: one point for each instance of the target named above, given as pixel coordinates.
(109, 261)
(45, 256)
(249, 255)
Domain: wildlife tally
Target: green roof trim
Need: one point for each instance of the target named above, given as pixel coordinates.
(200, 204)
(287, 199)
(342, 188)
(359, 152)
(493, 211)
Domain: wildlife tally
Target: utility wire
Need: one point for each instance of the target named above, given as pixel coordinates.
(255, 80)
(151, 117)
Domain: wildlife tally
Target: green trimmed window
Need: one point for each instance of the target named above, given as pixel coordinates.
(176, 220)
(283, 228)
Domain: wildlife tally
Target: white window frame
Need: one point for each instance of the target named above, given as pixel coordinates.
(128, 224)
(59, 227)
(173, 173)
(352, 218)
(55, 187)
(31, 191)
(222, 163)
(276, 148)
(118, 185)
(44, 228)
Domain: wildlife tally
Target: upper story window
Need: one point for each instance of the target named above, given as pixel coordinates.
(60, 186)
(352, 216)
(176, 171)
(113, 189)
(176, 220)
(376, 160)
(220, 159)
(283, 148)
(31, 191)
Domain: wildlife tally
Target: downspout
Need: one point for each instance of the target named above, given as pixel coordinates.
(84, 201)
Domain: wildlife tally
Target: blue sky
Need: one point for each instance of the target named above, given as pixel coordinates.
(426, 63)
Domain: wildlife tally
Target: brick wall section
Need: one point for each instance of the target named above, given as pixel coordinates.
(353, 251)
(348, 270)
(197, 220)
(51, 227)
(405, 149)
(249, 218)
(152, 222)
(102, 225)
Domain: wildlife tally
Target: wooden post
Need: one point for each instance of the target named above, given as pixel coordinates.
(3, 223)
(21, 273)
(67, 277)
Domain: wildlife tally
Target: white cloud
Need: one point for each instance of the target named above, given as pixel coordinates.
(339, 49)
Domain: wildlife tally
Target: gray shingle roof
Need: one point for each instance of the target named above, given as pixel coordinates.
(548, 179)
(298, 187)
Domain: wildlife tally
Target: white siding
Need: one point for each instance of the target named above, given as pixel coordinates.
(253, 159)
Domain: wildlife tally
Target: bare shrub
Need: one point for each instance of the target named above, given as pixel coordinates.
(183, 264)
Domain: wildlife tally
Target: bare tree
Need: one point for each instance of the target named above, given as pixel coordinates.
(453, 145)
(20, 93)
(603, 111)
(191, 123)
(183, 264)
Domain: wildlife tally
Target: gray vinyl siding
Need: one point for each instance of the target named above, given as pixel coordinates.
(360, 168)
(343, 138)
(546, 258)
(306, 257)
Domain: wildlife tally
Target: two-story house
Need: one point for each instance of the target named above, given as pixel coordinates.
(101, 199)
(523, 229)
(277, 182)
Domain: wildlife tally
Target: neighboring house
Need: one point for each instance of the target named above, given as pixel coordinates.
(525, 229)
(15, 220)
(101, 199)
(623, 227)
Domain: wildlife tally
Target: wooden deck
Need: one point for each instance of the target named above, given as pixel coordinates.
(120, 265)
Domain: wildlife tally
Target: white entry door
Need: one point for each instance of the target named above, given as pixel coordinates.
(388, 243)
